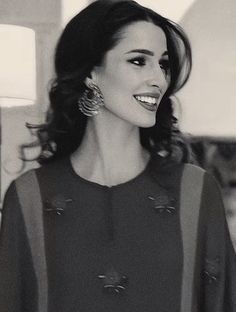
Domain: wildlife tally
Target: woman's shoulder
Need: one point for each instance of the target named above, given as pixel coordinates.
(46, 175)
(172, 174)
(50, 183)
(55, 168)
(172, 167)
(193, 173)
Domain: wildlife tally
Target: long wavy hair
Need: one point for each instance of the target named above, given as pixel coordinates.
(83, 45)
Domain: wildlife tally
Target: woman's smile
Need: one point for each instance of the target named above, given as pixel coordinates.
(149, 101)
(135, 74)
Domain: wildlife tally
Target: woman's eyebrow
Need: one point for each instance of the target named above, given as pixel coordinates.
(145, 51)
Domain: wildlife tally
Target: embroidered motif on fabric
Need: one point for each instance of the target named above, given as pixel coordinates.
(211, 271)
(113, 282)
(57, 204)
(163, 203)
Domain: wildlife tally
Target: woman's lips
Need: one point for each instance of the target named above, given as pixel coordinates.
(150, 107)
(148, 101)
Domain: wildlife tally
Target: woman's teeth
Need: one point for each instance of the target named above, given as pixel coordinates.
(146, 99)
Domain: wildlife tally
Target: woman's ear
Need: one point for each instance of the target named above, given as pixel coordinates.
(88, 82)
(91, 79)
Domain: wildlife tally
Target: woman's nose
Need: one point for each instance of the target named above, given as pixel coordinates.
(157, 77)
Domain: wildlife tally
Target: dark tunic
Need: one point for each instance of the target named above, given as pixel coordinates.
(118, 237)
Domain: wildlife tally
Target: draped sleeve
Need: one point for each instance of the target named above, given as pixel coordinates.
(215, 253)
(17, 278)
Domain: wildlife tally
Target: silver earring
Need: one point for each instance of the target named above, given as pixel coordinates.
(91, 100)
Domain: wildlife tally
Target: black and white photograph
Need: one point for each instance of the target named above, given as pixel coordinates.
(118, 156)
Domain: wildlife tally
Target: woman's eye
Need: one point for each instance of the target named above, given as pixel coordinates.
(165, 66)
(139, 61)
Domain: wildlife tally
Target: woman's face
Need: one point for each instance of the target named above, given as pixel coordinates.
(135, 74)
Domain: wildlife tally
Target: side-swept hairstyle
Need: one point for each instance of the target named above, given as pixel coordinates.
(83, 45)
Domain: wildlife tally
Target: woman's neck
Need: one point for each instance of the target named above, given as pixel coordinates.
(110, 154)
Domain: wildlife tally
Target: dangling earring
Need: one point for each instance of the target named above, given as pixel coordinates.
(91, 100)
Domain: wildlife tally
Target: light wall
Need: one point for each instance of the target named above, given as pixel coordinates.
(44, 17)
(209, 99)
(173, 10)
(70, 8)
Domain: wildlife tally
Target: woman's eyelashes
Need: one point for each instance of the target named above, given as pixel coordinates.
(138, 61)
(142, 61)
(165, 66)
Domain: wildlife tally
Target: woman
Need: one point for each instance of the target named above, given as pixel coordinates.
(112, 223)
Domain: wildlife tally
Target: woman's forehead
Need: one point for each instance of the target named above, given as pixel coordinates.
(141, 35)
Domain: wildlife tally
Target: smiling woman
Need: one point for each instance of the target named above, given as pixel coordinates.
(142, 76)
(114, 220)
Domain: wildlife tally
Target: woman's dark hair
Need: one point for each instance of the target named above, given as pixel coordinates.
(82, 45)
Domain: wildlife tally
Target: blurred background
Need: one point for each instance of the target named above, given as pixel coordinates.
(206, 107)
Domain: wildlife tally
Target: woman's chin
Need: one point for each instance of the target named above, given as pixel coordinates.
(147, 123)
